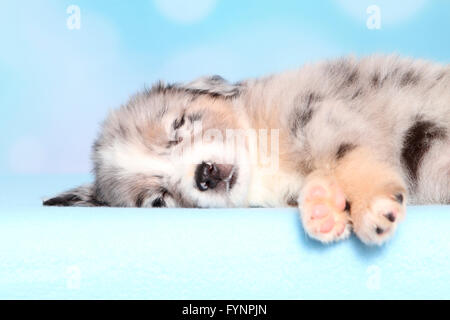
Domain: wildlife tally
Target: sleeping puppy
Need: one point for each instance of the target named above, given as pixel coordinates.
(348, 141)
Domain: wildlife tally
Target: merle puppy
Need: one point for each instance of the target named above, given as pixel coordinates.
(351, 141)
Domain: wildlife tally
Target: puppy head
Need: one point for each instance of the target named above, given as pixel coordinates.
(170, 146)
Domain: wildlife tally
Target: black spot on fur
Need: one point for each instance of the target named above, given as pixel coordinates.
(140, 198)
(409, 78)
(351, 78)
(306, 116)
(417, 142)
(304, 112)
(375, 81)
(195, 117)
(379, 230)
(344, 149)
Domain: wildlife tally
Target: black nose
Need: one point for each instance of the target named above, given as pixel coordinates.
(207, 176)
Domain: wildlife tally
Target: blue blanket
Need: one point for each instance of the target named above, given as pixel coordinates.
(110, 253)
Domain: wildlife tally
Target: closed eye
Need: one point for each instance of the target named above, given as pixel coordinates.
(178, 123)
(160, 202)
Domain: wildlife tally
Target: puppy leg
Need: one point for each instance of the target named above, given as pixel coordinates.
(376, 192)
(356, 191)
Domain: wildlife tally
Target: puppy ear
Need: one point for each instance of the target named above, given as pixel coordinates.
(83, 196)
(213, 85)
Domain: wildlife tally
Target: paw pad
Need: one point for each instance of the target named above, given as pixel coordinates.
(323, 209)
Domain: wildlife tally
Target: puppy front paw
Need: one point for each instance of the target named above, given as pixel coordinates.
(376, 222)
(324, 210)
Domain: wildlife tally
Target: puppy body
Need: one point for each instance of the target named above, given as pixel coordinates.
(352, 139)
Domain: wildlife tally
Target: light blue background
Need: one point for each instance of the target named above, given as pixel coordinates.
(57, 84)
